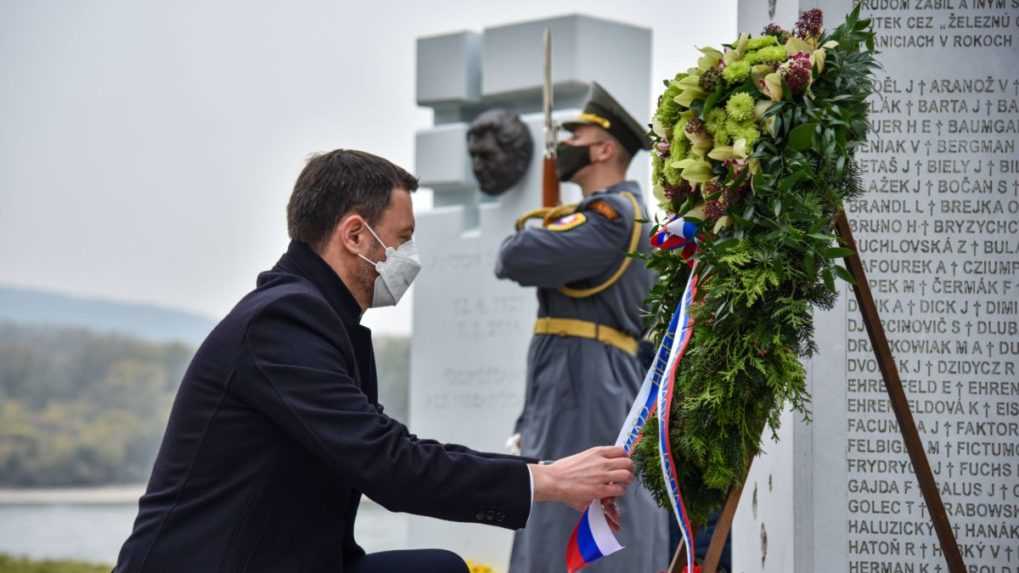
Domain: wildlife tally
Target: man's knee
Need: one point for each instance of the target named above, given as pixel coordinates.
(411, 561)
(447, 562)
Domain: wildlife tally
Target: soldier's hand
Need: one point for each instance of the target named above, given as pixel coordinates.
(513, 444)
(597, 473)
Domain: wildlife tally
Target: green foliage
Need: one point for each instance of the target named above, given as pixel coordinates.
(760, 276)
(10, 564)
(81, 408)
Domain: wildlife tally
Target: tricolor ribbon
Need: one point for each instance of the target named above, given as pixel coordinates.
(665, 395)
(676, 233)
(592, 538)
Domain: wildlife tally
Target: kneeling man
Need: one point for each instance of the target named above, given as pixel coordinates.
(276, 430)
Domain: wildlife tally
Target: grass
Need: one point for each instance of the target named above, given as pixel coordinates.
(11, 564)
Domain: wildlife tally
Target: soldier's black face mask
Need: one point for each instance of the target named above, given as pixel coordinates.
(570, 159)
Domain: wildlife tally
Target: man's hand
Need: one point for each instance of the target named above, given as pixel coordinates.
(597, 473)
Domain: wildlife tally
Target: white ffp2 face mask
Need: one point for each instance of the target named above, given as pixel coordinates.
(396, 271)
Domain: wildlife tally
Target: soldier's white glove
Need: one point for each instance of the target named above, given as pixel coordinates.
(513, 444)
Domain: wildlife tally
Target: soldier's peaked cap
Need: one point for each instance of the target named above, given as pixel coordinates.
(602, 110)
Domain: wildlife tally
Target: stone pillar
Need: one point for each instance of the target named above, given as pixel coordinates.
(937, 231)
(471, 331)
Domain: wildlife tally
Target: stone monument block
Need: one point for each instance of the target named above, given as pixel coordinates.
(453, 66)
(938, 232)
(437, 169)
(580, 55)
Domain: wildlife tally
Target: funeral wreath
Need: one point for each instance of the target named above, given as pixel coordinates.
(753, 158)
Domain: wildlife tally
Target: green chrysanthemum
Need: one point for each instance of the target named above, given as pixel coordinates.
(761, 42)
(673, 175)
(678, 150)
(748, 132)
(668, 109)
(715, 120)
(734, 127)
(722, 137)
(740, 107)
(736, 71)
(678, 136)
(770, 54)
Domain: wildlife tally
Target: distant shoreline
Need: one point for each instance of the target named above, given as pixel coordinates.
(113, 494)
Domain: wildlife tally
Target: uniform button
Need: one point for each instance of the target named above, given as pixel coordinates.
(480, 516)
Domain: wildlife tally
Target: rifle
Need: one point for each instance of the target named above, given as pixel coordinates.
(549, 179)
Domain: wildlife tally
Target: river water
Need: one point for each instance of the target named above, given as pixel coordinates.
(92, 524)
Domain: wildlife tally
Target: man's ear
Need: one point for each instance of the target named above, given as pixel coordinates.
(349, 234)
(604, 152)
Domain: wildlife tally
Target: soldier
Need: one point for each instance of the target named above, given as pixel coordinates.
(582, 367)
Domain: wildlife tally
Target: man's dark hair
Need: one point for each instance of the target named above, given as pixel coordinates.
(340, 182)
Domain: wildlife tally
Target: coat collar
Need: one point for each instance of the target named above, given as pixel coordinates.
(625, 185)
(301, 260)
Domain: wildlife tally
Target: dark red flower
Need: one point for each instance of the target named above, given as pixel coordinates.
(730, 196)
(678, 194)
(711, 79)
(796, 72)
(810, 23)
(777, 31)
(710, 190)
(713, 210)
(695, 126)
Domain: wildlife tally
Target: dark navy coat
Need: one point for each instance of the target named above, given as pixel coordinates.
(276, 432)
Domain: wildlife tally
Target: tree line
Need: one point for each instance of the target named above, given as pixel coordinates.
(84, 408)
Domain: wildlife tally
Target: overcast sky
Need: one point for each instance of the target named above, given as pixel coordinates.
(147, 149)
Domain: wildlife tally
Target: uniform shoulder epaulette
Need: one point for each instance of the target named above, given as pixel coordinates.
(612, 206)
(603, 208)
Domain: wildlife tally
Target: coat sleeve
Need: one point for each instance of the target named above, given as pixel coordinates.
(464, 449)
(537, 256)
(302, 382)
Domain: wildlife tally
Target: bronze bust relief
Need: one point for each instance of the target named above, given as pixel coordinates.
(500, 147)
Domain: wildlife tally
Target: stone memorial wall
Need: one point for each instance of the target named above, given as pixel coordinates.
(938, 232)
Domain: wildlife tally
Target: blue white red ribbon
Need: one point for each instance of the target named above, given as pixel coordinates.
(665, 396)
(592, 538)
(676, 233)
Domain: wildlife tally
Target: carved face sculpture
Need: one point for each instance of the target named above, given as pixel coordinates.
(500, 147)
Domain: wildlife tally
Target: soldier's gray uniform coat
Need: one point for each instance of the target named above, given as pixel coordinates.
(579, 390)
